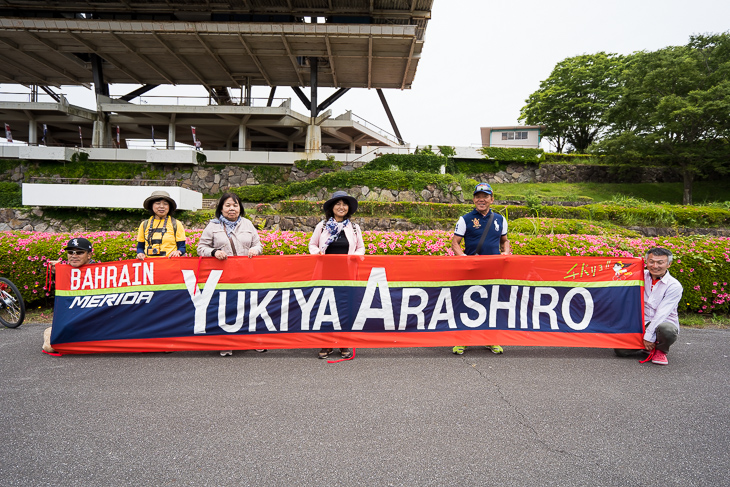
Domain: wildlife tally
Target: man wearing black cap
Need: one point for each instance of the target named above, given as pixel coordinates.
(79, 252)
(484, 233)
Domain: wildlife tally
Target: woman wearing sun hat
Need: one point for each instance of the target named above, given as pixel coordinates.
(336, 234)
(161, 235)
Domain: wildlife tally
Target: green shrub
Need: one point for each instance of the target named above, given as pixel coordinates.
(10, 195)
(547, 226)
(79, 157)
(269, 174)
(91, 170)
(556, 158)
(316, 164)
(428, 162)
(512, 154)
(484, 166)
(397, 180)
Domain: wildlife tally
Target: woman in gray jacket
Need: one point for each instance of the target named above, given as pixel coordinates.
(229, 234)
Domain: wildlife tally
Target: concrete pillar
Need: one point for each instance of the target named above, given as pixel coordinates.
(314, 138)
(352, 147)
(32, 132)
(171, 136)
(102, 134)
(242, 137)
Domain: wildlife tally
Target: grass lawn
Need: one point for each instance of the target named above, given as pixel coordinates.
(702, 192)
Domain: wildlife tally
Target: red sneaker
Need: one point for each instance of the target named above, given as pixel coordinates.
(659, 358)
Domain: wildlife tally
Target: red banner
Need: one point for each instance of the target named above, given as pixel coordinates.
(348, 301)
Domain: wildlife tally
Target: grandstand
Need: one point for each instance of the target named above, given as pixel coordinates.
(225, 46)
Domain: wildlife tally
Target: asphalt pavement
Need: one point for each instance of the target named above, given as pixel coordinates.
(403, 417)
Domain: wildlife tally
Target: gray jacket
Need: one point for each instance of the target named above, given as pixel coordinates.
(243, 240)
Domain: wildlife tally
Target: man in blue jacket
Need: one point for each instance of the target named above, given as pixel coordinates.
(484, 233)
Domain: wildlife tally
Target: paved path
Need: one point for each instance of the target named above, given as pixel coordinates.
(534, 416)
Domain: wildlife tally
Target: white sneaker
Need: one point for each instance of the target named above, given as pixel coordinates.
(226, 352)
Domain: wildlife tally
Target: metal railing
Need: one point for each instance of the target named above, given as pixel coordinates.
(6, 96)
(374, 128)
(203, 101)
(112, 182)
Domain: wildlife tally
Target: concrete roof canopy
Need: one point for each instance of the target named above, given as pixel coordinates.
(217, 44)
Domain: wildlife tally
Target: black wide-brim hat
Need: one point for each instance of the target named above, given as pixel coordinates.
(159, 195)
(340, 195)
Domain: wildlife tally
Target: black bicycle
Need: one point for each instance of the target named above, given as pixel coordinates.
(12, 307)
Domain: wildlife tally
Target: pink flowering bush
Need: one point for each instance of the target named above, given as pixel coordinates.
(701, 264)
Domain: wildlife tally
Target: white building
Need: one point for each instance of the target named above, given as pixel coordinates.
(523, 136)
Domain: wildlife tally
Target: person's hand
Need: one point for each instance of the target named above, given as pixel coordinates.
(220, 254)
(252, 253)
(141, 256)
(649, 345)
(174, 253)
(52, 264)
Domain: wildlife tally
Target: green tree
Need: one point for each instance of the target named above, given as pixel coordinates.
(573, 101)
(675, 109)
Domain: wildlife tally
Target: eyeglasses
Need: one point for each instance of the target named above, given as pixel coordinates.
(75, 252)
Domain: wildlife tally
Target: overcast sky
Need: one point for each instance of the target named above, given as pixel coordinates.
(483, 58)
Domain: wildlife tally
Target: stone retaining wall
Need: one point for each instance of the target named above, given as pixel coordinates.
(209, 180)
(578, 173)
(34, 220)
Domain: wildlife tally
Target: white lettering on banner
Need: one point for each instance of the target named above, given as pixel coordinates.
(328, 301)
(103, 277)
(88, 280)
(583, 324)
(443, 303)
(284, 322)
(471, 304)
(136, 281)
(101, 300)
(98, 277)
(75, 278)
(417, 311)
(124, 277)
(548, 309)
(377, 279)
(111, 277)
(476, 311)
(523, 306)
(201, 299)
(306, 306)
(260, 310)
(240, 312)
(495, 304)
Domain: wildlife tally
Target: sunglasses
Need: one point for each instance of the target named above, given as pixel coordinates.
(75, 252)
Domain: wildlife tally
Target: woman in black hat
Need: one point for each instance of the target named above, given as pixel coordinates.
(161, 235)
(336, 234)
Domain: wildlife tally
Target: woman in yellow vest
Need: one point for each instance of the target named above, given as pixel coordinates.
(161, 235)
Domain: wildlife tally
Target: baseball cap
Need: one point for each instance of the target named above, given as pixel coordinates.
(483, 188)
(79, 243)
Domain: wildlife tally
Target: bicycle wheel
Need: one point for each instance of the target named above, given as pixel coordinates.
(12, 307)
